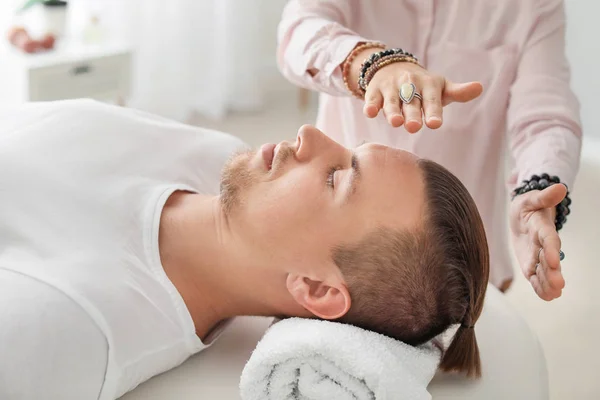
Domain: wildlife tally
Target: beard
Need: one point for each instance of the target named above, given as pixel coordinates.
(236, 178)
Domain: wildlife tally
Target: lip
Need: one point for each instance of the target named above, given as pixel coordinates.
(268, 154)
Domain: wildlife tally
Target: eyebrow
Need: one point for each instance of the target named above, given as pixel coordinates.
(354, 177)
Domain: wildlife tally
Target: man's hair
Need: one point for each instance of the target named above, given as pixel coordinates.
(412, 285)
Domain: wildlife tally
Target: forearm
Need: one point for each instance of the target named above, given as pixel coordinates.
(545, 128)
(547, 147)
(313, 43)
(544, 124)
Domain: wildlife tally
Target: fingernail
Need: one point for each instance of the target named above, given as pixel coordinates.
(434, 119)
(561, 255)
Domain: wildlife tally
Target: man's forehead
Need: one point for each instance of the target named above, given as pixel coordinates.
(397, 158)
(389, 166)
(373, 146)
(404, 155)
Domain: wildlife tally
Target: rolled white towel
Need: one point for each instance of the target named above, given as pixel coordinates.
(313, 359)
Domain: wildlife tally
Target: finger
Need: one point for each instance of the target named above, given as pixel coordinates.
(432, 102)
(556, 281)
(541, 275)
(391, 106)
(550, 281)
(373, 102)
(413, 116)
(551, 244)
(547, 198)
(534, 280)
(532, 262)
(548, 292)
(460, 92)
(553, 279)
(541, 283)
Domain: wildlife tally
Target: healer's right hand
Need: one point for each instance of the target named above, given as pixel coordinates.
(384, 88)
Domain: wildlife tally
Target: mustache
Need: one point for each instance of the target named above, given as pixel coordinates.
(282, 155)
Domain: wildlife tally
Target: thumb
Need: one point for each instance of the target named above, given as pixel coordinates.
(460, 92)
(546, 198)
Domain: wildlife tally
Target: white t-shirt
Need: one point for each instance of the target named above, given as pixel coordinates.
(82, 186)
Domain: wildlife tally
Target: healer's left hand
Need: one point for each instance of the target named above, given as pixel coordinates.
(536, 241)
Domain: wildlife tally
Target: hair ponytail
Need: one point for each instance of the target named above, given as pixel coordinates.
(463, 354)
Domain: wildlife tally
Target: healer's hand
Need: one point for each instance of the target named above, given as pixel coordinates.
(536, 240)
(384, 88)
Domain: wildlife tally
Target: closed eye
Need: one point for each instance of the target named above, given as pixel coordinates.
(331, 177)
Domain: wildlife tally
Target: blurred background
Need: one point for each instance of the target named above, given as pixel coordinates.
(216, 58)
(212, 63)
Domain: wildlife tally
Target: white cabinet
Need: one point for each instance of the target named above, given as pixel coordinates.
(101, 72)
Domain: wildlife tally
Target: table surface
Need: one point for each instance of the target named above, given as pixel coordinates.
(65, 52)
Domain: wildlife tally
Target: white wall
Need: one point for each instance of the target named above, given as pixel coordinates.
(7, 8)
(583, 50)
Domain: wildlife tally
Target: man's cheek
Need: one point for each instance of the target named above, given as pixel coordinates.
(281, 214)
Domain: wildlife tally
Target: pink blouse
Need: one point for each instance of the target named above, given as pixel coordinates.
(515, 48)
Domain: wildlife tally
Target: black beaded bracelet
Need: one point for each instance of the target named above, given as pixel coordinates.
(541, 182)
(376, 56)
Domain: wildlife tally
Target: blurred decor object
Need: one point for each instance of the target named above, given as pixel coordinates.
(19, 37)
(93, 32)
(53, 16)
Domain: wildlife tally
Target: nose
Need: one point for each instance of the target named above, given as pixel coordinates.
(312, 143)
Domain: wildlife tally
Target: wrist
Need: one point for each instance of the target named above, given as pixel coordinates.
(541, 182)
(380, 60)
(365, 60)
(352, 65)
(355, 66)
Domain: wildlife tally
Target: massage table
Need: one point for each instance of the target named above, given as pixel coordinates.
(514, 366)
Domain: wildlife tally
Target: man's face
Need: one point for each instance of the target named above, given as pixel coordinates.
(298, 201)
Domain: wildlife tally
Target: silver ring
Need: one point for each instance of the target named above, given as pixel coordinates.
(539, 254)
(408, 92)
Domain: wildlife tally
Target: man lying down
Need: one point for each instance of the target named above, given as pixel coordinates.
(125, 246)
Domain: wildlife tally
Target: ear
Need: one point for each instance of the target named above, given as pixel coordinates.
(326, 301)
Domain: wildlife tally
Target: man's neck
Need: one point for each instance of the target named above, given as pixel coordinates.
(209, 265)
